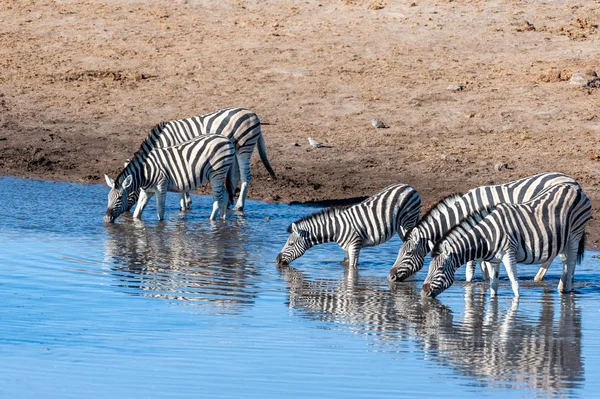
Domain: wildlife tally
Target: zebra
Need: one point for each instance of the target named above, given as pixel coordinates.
(551, 224)
(395, 209)
(452, 209)
(239, 125)
(180, 168)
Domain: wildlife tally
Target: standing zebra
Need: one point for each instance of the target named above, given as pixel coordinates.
(452, 209)
(239, 125)
(371, 222)
(180, 168)
(534, 232)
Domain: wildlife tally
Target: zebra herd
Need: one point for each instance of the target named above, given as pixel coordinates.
(530, 221)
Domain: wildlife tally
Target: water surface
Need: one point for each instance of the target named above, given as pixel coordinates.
(189, 308)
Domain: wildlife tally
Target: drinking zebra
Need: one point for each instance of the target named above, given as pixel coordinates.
(452, 209)
(534, 232)
(180, 168)
(239, 125)
(371, 222)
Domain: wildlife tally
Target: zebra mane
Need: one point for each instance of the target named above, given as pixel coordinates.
(467, 223)
(323, 212)
(434, 210)
(141, 154)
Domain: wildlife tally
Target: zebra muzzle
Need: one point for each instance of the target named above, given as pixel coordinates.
(279, 261)
(108, 218)
(427, 290)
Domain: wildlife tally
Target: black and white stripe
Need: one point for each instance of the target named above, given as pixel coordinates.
(179, 168)
(395, 209)
(452, 209)
(239, 125)
(552, 224)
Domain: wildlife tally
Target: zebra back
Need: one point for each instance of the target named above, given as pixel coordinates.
(515, 192)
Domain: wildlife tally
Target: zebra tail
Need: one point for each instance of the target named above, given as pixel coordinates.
(581, 249)
(262, 151)
(230, 188)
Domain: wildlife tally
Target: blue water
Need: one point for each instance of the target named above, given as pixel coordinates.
(189, 308)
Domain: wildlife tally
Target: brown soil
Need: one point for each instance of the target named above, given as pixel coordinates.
(82, 82)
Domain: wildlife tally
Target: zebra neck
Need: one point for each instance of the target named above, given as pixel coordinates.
(136, 170)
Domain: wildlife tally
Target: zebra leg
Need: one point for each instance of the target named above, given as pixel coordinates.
(510, 265)
(219, 193)
(246, 176)
(566, 280)
(346, 257)
(470, 271)
(182, 201)
(188, 200)
(484, 271)
(142, 202)
(493, 271)
(542, 272)
(353, 253)
(161, 197)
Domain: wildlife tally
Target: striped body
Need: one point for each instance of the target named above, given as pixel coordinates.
(239, 125)
(551, 224)
(395, 209)
(448, 212)
(179, 168)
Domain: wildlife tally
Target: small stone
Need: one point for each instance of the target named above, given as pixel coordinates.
(595, 157)
(455, 88)
(585, 79)
(500, 166)
(449, 158)
(296, 145)
(377, 123)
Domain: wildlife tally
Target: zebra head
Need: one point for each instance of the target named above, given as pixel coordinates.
(411, 256)
(117, 198)
(441, 272)
(297, 243)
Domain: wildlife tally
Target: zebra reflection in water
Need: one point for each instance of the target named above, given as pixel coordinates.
(492, 343)
(204, 263)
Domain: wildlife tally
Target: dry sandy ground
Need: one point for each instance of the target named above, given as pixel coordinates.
(82, 82)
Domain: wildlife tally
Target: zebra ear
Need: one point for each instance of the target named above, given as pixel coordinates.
(127, 182)
(109, 182)
(446, 248)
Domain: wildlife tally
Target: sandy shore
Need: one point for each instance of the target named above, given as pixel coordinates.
(82, 82)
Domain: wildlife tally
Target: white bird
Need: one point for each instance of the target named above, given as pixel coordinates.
(316, 144)
(377, 123)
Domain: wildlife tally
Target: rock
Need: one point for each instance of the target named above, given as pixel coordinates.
(585, 79)
(595, 157)
(500, 166)
(455, 88)
(449, 158)
(379, 124)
